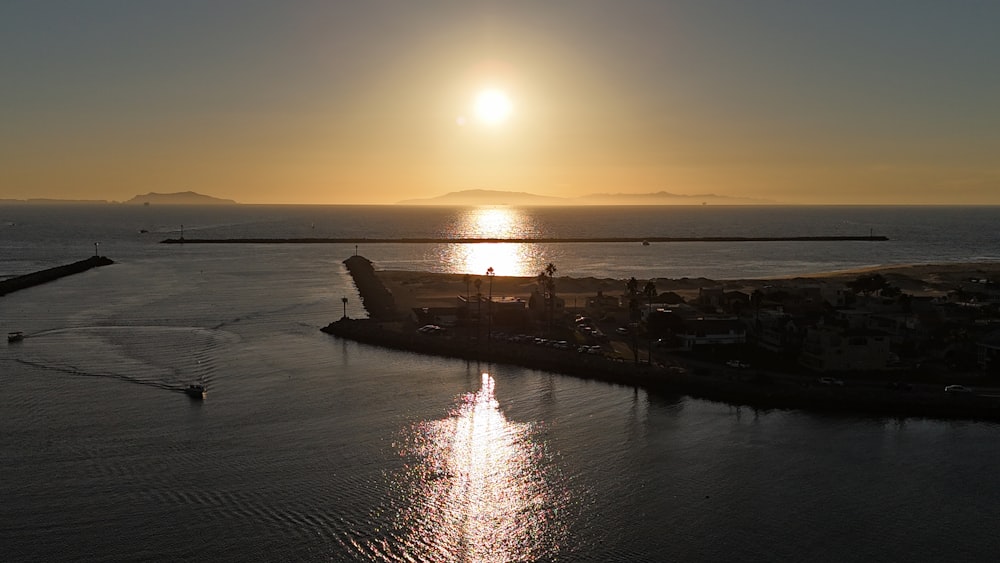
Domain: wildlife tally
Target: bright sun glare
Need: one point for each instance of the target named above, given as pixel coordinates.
(493, 106)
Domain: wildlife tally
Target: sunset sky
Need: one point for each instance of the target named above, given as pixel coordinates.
(796, 101)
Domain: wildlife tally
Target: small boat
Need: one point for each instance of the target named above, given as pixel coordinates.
(196, 391)
(15, 336)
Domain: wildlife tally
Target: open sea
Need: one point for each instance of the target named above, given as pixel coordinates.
(310, 448)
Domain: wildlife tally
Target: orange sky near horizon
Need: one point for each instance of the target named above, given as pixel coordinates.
(313, 103)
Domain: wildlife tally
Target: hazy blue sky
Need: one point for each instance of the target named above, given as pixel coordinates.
(371, 102)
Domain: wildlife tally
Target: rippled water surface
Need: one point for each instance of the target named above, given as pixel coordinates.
(309, 448)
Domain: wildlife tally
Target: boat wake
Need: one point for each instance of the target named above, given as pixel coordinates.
(168, 358)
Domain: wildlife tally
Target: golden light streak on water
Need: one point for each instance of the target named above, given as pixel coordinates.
(480, 491)
(506, 259)
(493, 222)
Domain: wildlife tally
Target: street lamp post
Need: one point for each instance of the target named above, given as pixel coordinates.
(344, 301)
(489, 325)
(96, 253)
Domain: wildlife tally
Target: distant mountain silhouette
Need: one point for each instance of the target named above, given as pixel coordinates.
(489, 197)
(500, 197)
(179, 198)
(667, 198)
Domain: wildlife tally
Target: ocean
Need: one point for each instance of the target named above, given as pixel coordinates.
(310, 448)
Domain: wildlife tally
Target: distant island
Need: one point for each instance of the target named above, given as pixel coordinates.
(488, 197)
(501, 197)
(178, 198)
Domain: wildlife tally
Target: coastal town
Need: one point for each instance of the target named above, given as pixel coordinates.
(904, 340)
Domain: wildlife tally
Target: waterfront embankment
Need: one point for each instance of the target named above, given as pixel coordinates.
(752, 388)
(44, 276)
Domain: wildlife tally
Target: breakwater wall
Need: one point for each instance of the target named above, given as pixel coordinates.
(376, 298)
(525, 240)
(44, 276)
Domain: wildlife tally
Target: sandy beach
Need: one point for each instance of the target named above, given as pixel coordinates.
(425, 289)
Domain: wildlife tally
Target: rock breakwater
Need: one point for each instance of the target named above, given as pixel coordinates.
(44, 276)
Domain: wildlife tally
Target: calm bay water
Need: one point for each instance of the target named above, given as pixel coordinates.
(313, 448)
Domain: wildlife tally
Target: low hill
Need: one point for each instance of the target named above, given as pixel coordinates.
(489, 197)
(178, 198)
(500, 197)
(667, 198)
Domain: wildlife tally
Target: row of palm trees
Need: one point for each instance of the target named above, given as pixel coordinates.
(490, 274)
(632, 290)
(547, 284)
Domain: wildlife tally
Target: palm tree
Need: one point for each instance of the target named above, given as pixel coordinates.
(468, 280)
(632, 289)
(649, 290)
(632, 286)
(550, 286)
(489, 325)
(479, 307)
(546, 280)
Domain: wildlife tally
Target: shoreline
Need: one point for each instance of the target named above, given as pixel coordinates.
(747, 389)
(751, 388)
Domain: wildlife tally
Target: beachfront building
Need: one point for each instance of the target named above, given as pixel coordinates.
(835, 348)
(777, 332)
(439, 316)
(506, 310)
(540, 304)
(601, 303)
(711, 332)
(988, 352)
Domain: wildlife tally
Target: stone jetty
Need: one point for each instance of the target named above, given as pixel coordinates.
(375, 297)
(521, 240)
(44, 276)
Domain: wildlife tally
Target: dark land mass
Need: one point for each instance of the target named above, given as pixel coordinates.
(389, 327)
(539, 240)
(44, 276)
(502, 197)
(179, 198)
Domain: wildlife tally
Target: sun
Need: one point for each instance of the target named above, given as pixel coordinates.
(493, 106)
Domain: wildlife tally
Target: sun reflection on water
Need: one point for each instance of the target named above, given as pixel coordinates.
(478, 489)
(506, 259)
(492, 222)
